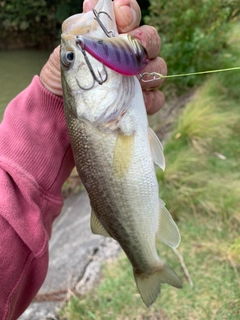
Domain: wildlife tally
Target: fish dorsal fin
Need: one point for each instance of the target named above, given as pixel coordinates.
(168, 231)
(156, 149)
(96, 226)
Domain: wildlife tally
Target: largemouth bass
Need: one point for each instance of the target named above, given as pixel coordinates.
(115, 151)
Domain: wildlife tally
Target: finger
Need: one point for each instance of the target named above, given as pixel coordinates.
(89, 5)
(50, 74)
(127, 14)
(157, 65)
(154, 100)
(149, 38)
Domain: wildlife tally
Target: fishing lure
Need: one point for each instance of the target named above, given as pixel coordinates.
(123, 53)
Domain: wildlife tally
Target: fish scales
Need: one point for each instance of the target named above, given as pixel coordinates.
(94, 162)
(115, 151)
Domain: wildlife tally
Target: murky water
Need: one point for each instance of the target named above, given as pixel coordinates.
(16, 71)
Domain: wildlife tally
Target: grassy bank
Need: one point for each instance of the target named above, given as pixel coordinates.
(201, 187)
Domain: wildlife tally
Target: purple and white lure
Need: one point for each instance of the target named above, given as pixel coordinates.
(123, 53)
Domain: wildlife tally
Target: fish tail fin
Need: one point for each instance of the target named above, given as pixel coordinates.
(149, 285)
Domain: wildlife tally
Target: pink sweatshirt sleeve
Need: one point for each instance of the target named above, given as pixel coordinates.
(35, 160)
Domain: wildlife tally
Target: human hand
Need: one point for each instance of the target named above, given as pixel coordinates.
(128, 15)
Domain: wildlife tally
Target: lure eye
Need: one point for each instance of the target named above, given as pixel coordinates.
(80, 41)
(68, 58)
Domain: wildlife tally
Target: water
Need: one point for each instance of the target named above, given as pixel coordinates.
(17, 69)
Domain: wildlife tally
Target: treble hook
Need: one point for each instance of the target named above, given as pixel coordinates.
(108, 33)
(100, 80)
(80, 44)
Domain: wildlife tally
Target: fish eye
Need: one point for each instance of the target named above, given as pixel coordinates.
(68, 58)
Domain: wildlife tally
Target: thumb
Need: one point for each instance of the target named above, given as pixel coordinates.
(50, 74)
(89, 5)
(128, 14)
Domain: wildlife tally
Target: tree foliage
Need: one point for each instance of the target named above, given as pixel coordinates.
(38, 22)
(35, 21)
(193, 33)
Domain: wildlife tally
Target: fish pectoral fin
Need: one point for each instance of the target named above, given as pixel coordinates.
(96, 226)
(156, 149)
(149, 285)
(123, 153)
(168, 231)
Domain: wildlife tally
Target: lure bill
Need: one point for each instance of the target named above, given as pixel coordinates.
(123, 54)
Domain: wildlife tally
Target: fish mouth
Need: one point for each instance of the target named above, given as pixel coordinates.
(66, 37)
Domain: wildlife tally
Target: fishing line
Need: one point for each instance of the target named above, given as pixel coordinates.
(157, 76)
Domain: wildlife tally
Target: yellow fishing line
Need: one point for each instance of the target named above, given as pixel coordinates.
(189, 74)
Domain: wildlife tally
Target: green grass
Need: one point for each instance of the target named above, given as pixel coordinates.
(202, 155)
(201, 187)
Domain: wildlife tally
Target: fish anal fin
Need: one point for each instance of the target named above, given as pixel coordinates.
(156, 149)
(96, 226)
(123, 153)
(168, 231)
(149, 285)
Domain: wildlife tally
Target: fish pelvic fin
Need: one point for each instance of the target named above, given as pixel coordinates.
(168, 231)
(149, 285)
(156, 149)
(96, 226)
